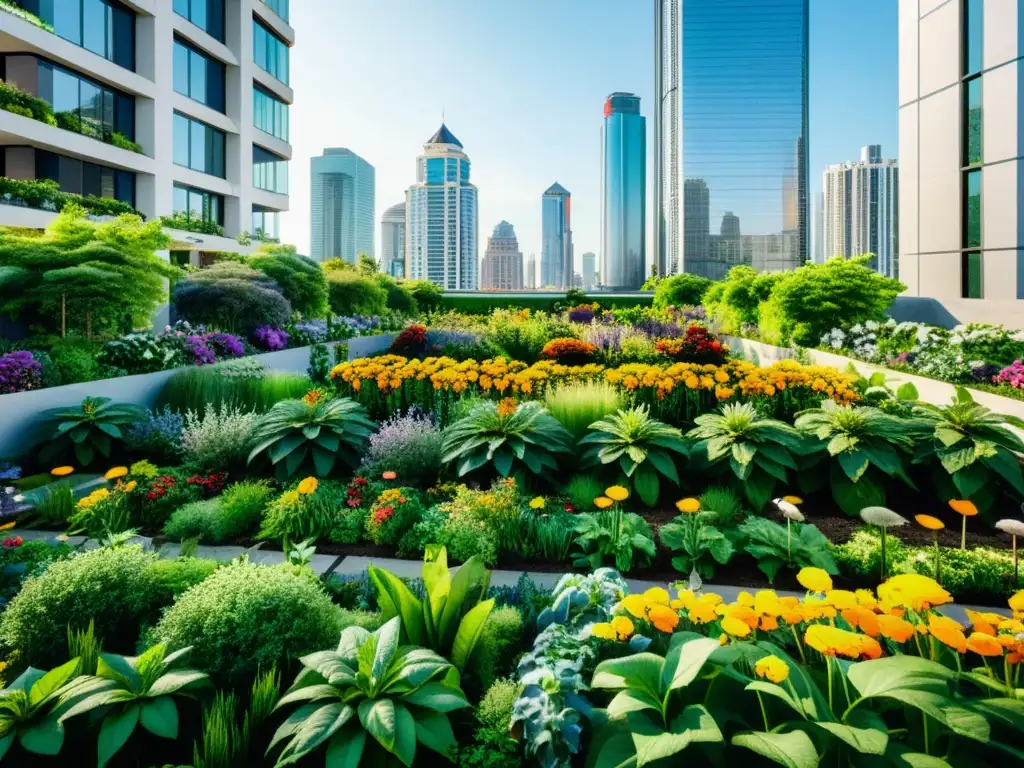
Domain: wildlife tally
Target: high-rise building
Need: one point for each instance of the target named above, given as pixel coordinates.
(623, 192)
(531, 271)
(201, 88)
(819, 229)
(341, 200)
(589, 271)
(441, 216)
(502, 267)
(392, 240)
(860, 209)
(961, 193)
(556, 257)
(738, 71)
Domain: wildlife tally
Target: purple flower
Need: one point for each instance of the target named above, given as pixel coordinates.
(19, 371)
(225, 345)
(202, 354)
(581, 314)
(270, 339)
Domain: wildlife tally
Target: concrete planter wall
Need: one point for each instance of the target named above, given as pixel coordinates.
(368, 346)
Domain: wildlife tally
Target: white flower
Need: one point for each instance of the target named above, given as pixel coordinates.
(871, 325)
(858, 328)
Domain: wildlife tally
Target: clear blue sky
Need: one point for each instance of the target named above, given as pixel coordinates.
(522, 85)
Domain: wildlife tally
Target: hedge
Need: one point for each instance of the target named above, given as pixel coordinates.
(483, 303)
(45, 194)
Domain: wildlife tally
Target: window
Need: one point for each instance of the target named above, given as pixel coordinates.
(280, 7)
(972, 122)
(199, 204)
(198, 146)
(974, 19)
(84, 106)
(208, 15)
(269, 52)
(435, 170)
(198, 77)
(269, 171)
(972, 209)
(84, 178)
(105, 27)
(970, 275)
(264, 222)
(269, 114)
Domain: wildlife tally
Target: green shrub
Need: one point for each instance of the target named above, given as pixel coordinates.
(465, 537)
(484, 304)
(350, 293)
(681, 290)
(426, 294)
(114, 588)
(577, 405)
(301, 279)
(230, 304)
(980, 571)
(353, 617)
(46, 194)
(123, 142)
(861, 556)
(582, 490)
(241, 508)
(173, 577)
(398, 298)
(194, 519)
(75, 360)
(499, 644)
(186, 221)
(495, 710)
(243, 618)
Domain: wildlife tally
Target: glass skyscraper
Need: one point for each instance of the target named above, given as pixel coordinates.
(623, 192)
(441, 216)
(341, 206)
(742, 113)
(556, 259)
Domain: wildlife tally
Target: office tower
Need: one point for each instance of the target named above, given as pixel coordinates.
(738, 71)
(819, 229)
(556, 257)
(341, 206)
(589, 271)
(441, 216)
(961, 194)
(623, 192)
(201, 88)
(668, 229)
(531, 271)
(860, 209)
(697, 227)
(392, 240)
(502, 268)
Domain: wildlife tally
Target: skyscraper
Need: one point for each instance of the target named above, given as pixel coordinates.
(860, 209)
(668, 232)
(392, 240)
(556, 252)
(341, 206)
(738, 71)
(531, 271)
(697, 227)
(589, 271)
(818, 255)
(441, 216)
(502, 268)
(623, 192)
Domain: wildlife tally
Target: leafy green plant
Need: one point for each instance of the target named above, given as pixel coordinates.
(640, 446)
(975, 449)
(227, 737)
(505, 438)
(577, 405)
(316, 431)
(700, 542)
(30, 709)
(722, 504)
(775, 546)
(451, 616)
(319, 365)
(681, 290)
(301, 279)
(93, 427)
(133, 692)
(582, 489)
(497, 647)
(53, 504)
(370, 685)
(865, 445)
(613, 536)
(756, 450)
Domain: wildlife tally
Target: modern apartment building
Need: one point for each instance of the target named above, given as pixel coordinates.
(623, 192)
(200, 86)
(441, 216)
(738, 72)
(556, 259)
(589, 271)
(392, 240)
(961, 197)
(342, 195)
(502, 267)
(860, 209)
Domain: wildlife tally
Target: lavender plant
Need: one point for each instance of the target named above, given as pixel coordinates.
(219, 438)
(157, 435)
(271, 339)
(408, 445)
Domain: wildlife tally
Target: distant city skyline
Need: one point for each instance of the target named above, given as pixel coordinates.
(342, 204)
(623, 192)
(502, 266)
(556, 256)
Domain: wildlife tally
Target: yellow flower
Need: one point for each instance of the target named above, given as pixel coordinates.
(603, 631)
(290, 498)
(61, 471)
(929, 522)
(793, 500)
(308, 486)
(603, 502)
(832, 641)
(130, 486)
(948, 632)
(537, 502)
(7, 526)
(616, 493)
(735, 627)
(772, 668)
(507, 407)
(984, 645)
(623, 627)
(657, 596)
(688, 506)
(814, 579)
(895, 628)
(1016, 602)
(636, 605)
(912, 590)
(663, 618)
(701, 613)
(116, 472)
(840, 599)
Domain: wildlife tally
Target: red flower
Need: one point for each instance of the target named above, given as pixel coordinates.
(13, 541)
(353, 502)
(382, 514)
(359, 481)
(569, 508)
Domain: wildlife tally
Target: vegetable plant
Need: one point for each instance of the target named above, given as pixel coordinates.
(30, 711)
(698, 542)
(641, 446)
(773, 547)
(506, 436)
(612, 536)
(758, 451)
(90, 428)
(316, 428)
(370, 686)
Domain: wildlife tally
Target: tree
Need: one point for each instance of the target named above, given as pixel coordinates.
(428, 295)
(399, 299)
(301, 280)
(367, 265)
(684, 289)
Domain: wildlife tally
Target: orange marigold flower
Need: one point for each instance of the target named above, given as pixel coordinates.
(636, 605)
(984, 645)
(947, 632)
(663, 618)
(863, 619)
(894, 628)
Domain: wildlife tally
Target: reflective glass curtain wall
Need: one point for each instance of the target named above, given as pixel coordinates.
(744, 121)
(105, 27)
(269, 114)
(624, 193)
(208, 15)
(84, 106)
(971, 269)
(269, 52)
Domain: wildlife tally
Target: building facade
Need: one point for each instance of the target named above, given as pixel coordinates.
(743, 144)
(589, 271)
(502, 267)
(556, 258)
(961, 196)
(392, 240)
(623, 193)
(860, 209)
(342, 198)
(531, 271)
(200, 88)
(441, 216)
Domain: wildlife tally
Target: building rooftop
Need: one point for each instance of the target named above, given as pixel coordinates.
(556, 189)
(444, 136)
(396, 211)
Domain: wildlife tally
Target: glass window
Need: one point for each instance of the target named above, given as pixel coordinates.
(269, 171)
(84, 106)
(208, 15)
(269, 114)
(105, 27)
(264, 223)
(198, 146)
(198, 77)
(199, 203)
(94, 26)
(280, 7)
(269, 52)
(180, 140)
(82, 178)
(973, 23)
(970, 275)
(973, 121)
(972, 213)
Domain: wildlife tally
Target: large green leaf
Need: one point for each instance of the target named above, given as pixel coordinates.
(878, 677)
(694, 724)
(160, 717)
(378, 718)
(116, 729)
(437, 696)
(641, 671)
(469, 631)
(174, 681)
(686, 657)
(345, 748)
(317, 728)
(52, 682)
(396, 599)
(868, 741)
(435, 732)
(44, 738)
(793, 750)
(646, 484)
(387, 645)
(632, 700)
(468, 584)
(405, 738)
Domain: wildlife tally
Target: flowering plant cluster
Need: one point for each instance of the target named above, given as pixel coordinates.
(208, 485)
(207, 348)
(105, 511)
(12, 542)
(412, 342)
(19, 372)
(584, 313)
(698, 345)
(354, 492)
(568, 351)
(389, 516)
(1012, 375)
(270, 339)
